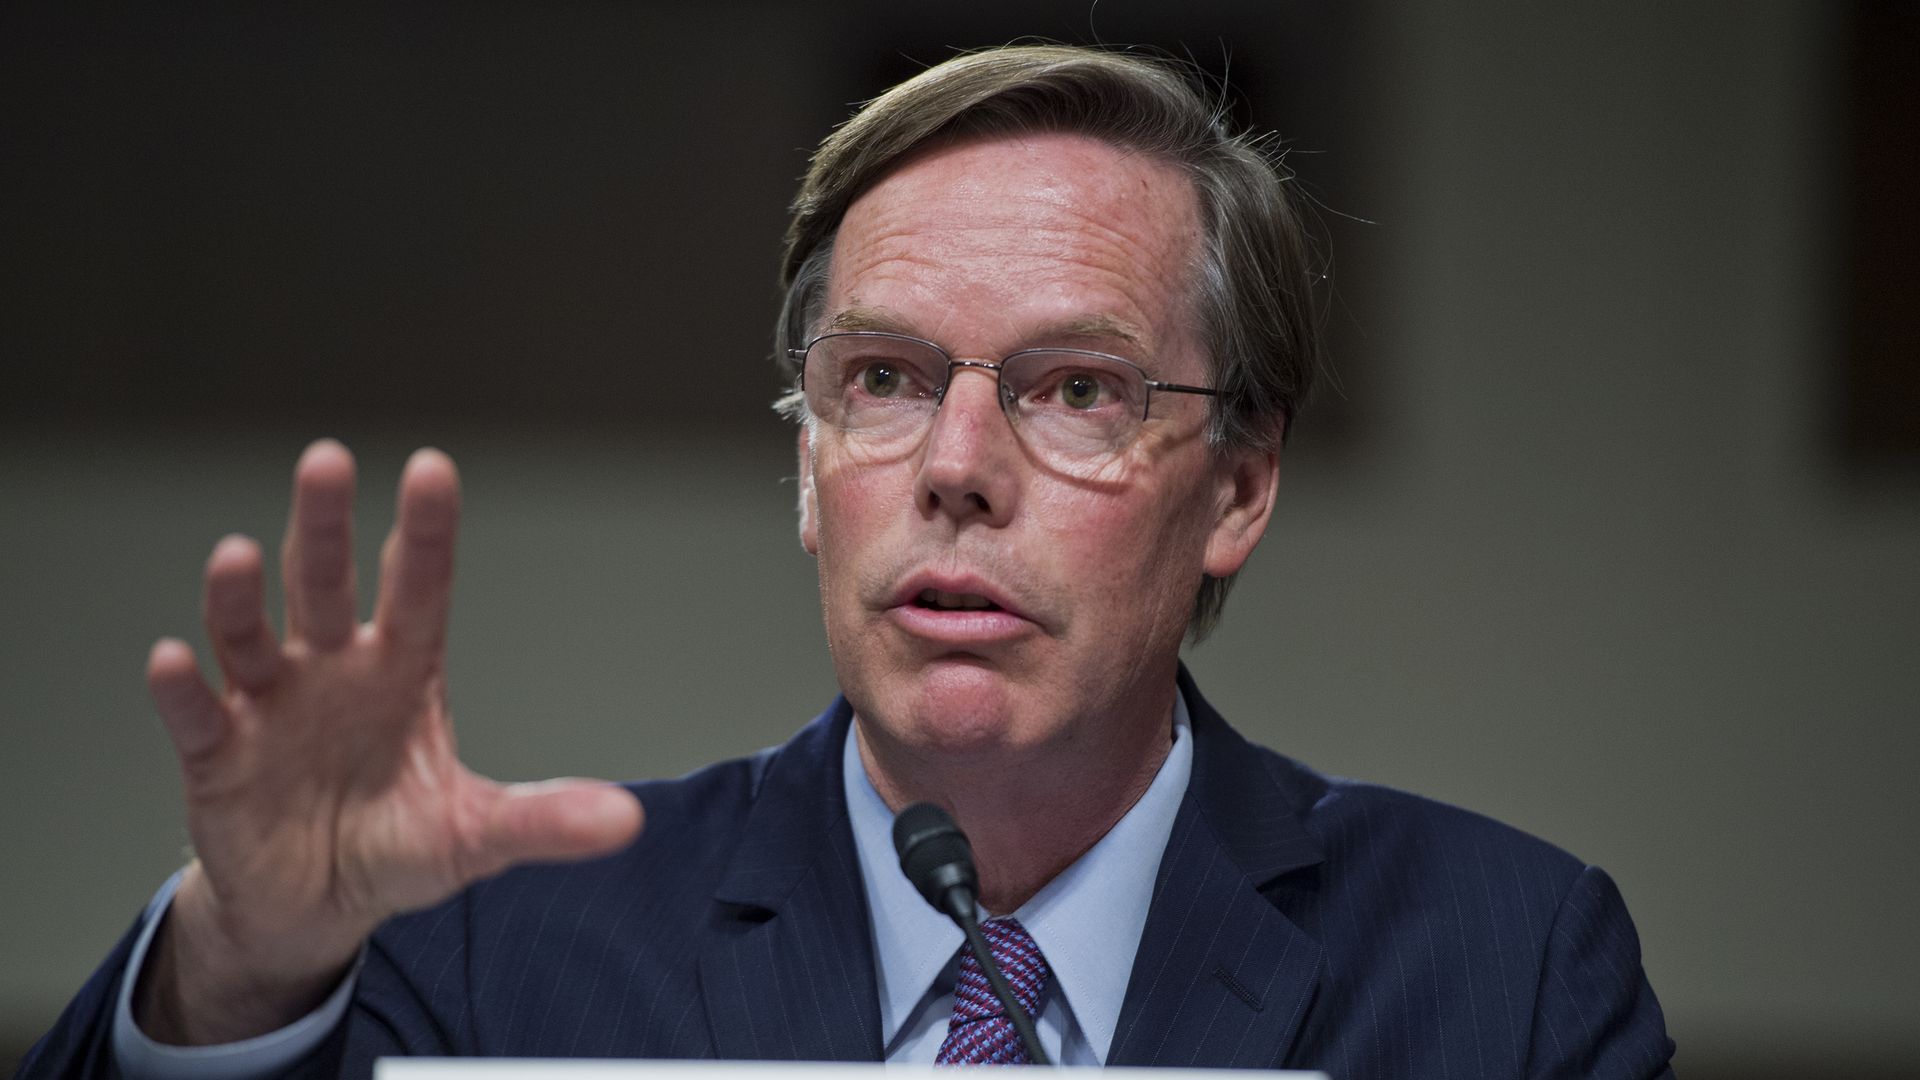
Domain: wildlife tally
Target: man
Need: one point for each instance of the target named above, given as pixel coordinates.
(1050, 325)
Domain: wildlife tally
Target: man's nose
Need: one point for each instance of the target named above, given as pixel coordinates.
(970, 468)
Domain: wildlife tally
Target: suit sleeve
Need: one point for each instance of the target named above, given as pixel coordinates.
(82, 1043)
(1594, 1012)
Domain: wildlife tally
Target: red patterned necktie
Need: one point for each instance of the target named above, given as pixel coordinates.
(980, 1033)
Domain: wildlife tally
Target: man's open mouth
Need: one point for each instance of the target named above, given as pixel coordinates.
(936, 600)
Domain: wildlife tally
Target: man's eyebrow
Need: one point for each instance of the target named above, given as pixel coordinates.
(870, 319)
(1098, 326)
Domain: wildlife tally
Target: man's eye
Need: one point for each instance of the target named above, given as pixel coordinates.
(1080, 391)
(879, 380)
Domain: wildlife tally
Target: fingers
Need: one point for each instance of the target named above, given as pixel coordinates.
(193, 715)
(317, 558)
(416, 571)
(236, 617)
(561, 820)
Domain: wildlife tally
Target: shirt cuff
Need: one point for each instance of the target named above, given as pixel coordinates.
(141, 1058)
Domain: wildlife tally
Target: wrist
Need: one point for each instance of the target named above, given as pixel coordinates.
(201, 986)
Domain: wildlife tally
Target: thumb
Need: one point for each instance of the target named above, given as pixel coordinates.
(560, 820)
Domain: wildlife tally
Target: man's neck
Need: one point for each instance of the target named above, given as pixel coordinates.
(1027, 816)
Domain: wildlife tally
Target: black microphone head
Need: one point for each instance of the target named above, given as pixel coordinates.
(935, 856)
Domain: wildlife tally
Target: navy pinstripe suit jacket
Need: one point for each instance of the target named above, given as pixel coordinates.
(1297, 921)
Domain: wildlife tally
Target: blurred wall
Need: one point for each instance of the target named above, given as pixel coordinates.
(1576, 549)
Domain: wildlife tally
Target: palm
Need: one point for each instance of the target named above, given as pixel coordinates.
(350, 821)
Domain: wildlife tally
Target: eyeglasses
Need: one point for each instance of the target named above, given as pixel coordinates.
(1072, 406)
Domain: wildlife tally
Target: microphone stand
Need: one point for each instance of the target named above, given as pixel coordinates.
(935, 856)
(1022, 1023)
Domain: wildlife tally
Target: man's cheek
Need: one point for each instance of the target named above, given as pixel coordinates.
(1108, 531)
(843, 514)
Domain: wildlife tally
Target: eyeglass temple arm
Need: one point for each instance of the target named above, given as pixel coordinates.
(1178, 388)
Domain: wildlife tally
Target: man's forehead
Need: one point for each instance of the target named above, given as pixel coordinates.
(989, 245)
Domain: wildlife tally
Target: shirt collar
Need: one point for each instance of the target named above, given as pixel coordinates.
(1087, 920)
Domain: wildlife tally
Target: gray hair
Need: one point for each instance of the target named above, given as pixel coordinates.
(1254, 285)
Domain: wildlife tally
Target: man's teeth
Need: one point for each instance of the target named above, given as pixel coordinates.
(953, 600)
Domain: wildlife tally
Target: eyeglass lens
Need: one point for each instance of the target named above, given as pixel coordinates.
(1067, 403)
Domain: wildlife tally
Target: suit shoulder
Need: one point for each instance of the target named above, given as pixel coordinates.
(1445, 934)
(1416, 835)
(711, 799)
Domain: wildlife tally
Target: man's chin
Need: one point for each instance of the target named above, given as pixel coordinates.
(959, 707)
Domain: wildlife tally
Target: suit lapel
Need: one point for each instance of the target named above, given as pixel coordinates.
(1222, 977)
(788, 973)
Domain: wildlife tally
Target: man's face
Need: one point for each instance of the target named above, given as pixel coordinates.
(987, 247)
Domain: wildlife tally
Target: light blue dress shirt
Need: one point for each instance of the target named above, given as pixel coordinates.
(1087, 922)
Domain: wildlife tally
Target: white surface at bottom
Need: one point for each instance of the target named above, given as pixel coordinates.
(533, 1069)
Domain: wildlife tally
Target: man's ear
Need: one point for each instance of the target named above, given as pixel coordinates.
(1244, 487)
(809, 502)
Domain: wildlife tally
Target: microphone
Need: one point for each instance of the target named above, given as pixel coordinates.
(935, 856)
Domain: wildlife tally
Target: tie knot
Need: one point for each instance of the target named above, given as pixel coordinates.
(979, 1032)
(1020, 961)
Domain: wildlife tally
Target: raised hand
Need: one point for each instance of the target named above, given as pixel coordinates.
(322, 788)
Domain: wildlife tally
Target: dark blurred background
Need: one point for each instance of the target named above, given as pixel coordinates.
(1611, 527)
